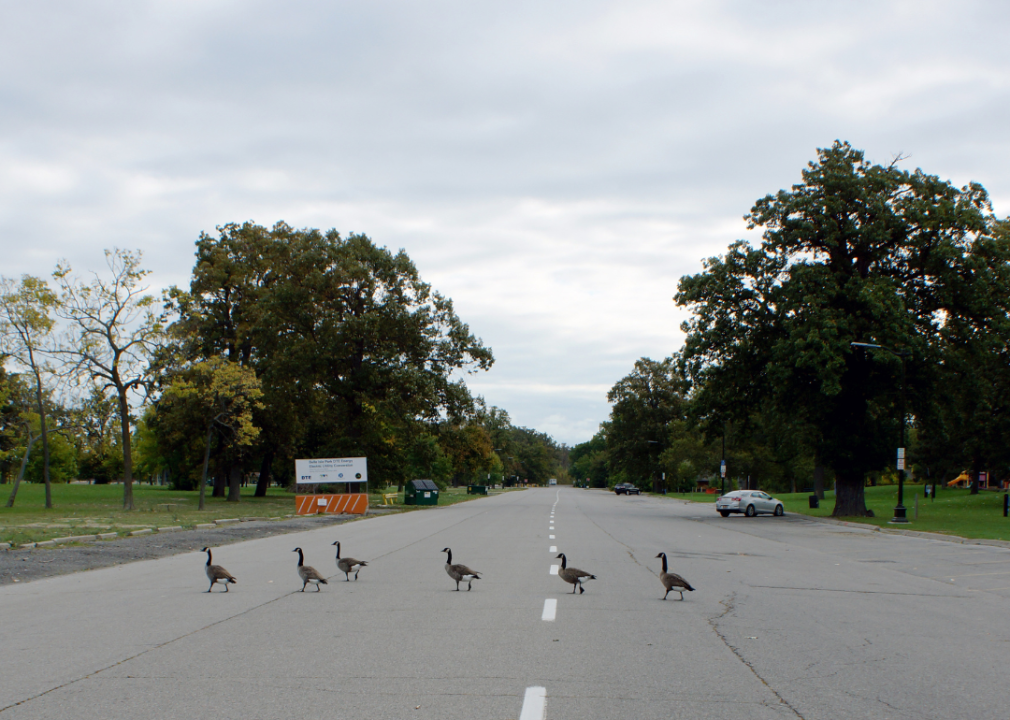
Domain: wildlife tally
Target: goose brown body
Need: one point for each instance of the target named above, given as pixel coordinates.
(673, 581)
(308, 574)
(459, 572)
(347, 565)
(573, 576)
(217, 574)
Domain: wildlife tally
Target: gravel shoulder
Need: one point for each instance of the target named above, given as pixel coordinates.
(19, 566)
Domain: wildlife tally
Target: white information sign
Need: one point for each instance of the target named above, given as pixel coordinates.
(331, 470)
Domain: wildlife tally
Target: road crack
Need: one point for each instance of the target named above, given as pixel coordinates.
(730, 604)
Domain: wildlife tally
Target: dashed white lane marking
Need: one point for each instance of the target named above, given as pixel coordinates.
(550, 537)
(534, 704)
(554, 569)
(550, 610)
(554, 548)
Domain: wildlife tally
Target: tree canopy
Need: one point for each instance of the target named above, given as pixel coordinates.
(354, 352)
(857, 252)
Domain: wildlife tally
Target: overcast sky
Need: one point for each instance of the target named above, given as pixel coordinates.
(554, 166)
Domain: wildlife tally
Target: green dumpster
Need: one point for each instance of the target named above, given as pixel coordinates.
(476, 489)
(420, 492)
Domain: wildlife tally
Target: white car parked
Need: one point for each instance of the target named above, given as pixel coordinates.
(748, 502)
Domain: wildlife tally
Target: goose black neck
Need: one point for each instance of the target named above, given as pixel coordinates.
(338, 550)
(208, 558)
(564, 561)
(448, 557)
(301, 558)
(664, 562)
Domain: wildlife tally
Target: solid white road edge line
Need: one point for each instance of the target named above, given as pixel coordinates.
(554, 569)
(534, 704)
(550, 610)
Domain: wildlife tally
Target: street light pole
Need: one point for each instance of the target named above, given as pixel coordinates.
(900, 514)
(722, 467)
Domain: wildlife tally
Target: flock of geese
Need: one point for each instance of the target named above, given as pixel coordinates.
(458, 572)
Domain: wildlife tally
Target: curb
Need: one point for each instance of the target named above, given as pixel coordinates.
(74, 538)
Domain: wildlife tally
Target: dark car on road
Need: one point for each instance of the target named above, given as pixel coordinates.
(626, 489)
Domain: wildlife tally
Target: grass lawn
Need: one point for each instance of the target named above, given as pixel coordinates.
(954, 512)
(93, 509)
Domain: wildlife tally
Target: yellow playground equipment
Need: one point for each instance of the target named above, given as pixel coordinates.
(964, 480)
(961, 480)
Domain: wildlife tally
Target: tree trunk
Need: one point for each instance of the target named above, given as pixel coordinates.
(124, 421)
(206, 464)
(976, 469)
(220, 478)
(221, 467)
(850, 500)
(819, 481)
(45, 435)
(234, 483)
(265, 469)
(21, 472)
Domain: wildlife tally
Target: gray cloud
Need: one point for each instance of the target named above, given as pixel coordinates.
(552, 167)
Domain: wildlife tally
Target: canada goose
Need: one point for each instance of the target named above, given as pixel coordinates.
(673, 581)
(573, 575)
(459, 572)
(216, 573)
(308, 574)
(346, 565)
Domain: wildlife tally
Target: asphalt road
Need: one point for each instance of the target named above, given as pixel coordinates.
(791, 618)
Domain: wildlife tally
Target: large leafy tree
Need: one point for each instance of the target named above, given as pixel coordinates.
(966, 422)
(856, 252)
(111, 337)
(26, 325)
(352, 348)
(589, 460)
(219, 395)
(645, 403)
